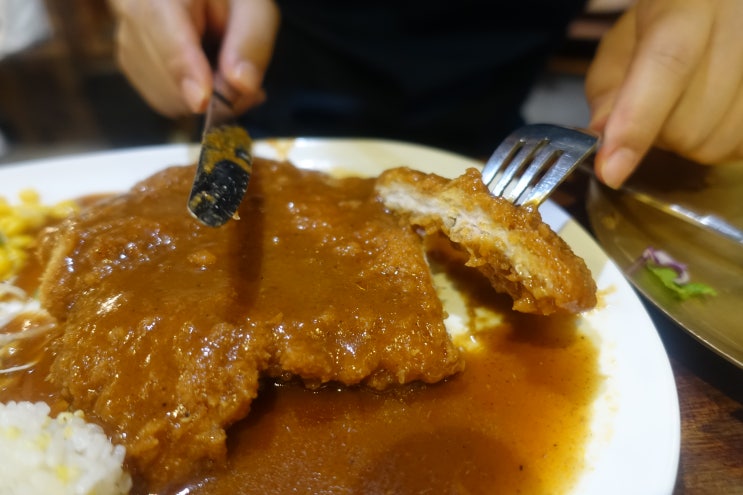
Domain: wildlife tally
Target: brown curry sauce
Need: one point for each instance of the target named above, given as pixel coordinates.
(514, 421)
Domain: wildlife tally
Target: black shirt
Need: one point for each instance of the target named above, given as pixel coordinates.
(451, 74)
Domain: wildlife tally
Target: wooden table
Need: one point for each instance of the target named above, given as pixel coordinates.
(710, 391)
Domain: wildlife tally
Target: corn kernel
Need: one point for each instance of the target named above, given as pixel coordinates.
(63, 209)
(29, 196)
(20, 242)
(12, 226)
(6, 266)
(19, 224)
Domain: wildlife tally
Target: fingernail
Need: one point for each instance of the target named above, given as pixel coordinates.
(617, 167)
(246, 75)
(195, 95)
(598, 123)
(599, 117)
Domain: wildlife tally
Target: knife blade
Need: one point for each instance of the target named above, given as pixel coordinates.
(225, 161)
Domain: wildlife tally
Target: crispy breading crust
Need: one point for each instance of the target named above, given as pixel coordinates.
(512, 246)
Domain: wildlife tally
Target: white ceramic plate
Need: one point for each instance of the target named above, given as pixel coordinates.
(634, 446)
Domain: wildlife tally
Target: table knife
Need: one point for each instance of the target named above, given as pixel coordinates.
(225, 161)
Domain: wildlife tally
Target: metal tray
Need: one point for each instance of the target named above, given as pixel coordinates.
(625, 227)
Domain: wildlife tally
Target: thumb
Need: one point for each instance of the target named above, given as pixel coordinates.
(247, 47)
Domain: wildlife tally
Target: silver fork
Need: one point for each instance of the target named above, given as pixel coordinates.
(531, 162)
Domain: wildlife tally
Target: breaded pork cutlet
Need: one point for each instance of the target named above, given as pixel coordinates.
(512, 246)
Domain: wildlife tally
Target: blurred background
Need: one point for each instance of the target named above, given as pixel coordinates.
(61, 91)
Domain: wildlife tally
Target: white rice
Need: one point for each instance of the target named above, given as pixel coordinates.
(57, 456)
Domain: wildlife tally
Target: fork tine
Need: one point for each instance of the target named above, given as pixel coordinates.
(569, 159)
(508, 160)
(530, 179)
(533, 160)
(502, 156)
